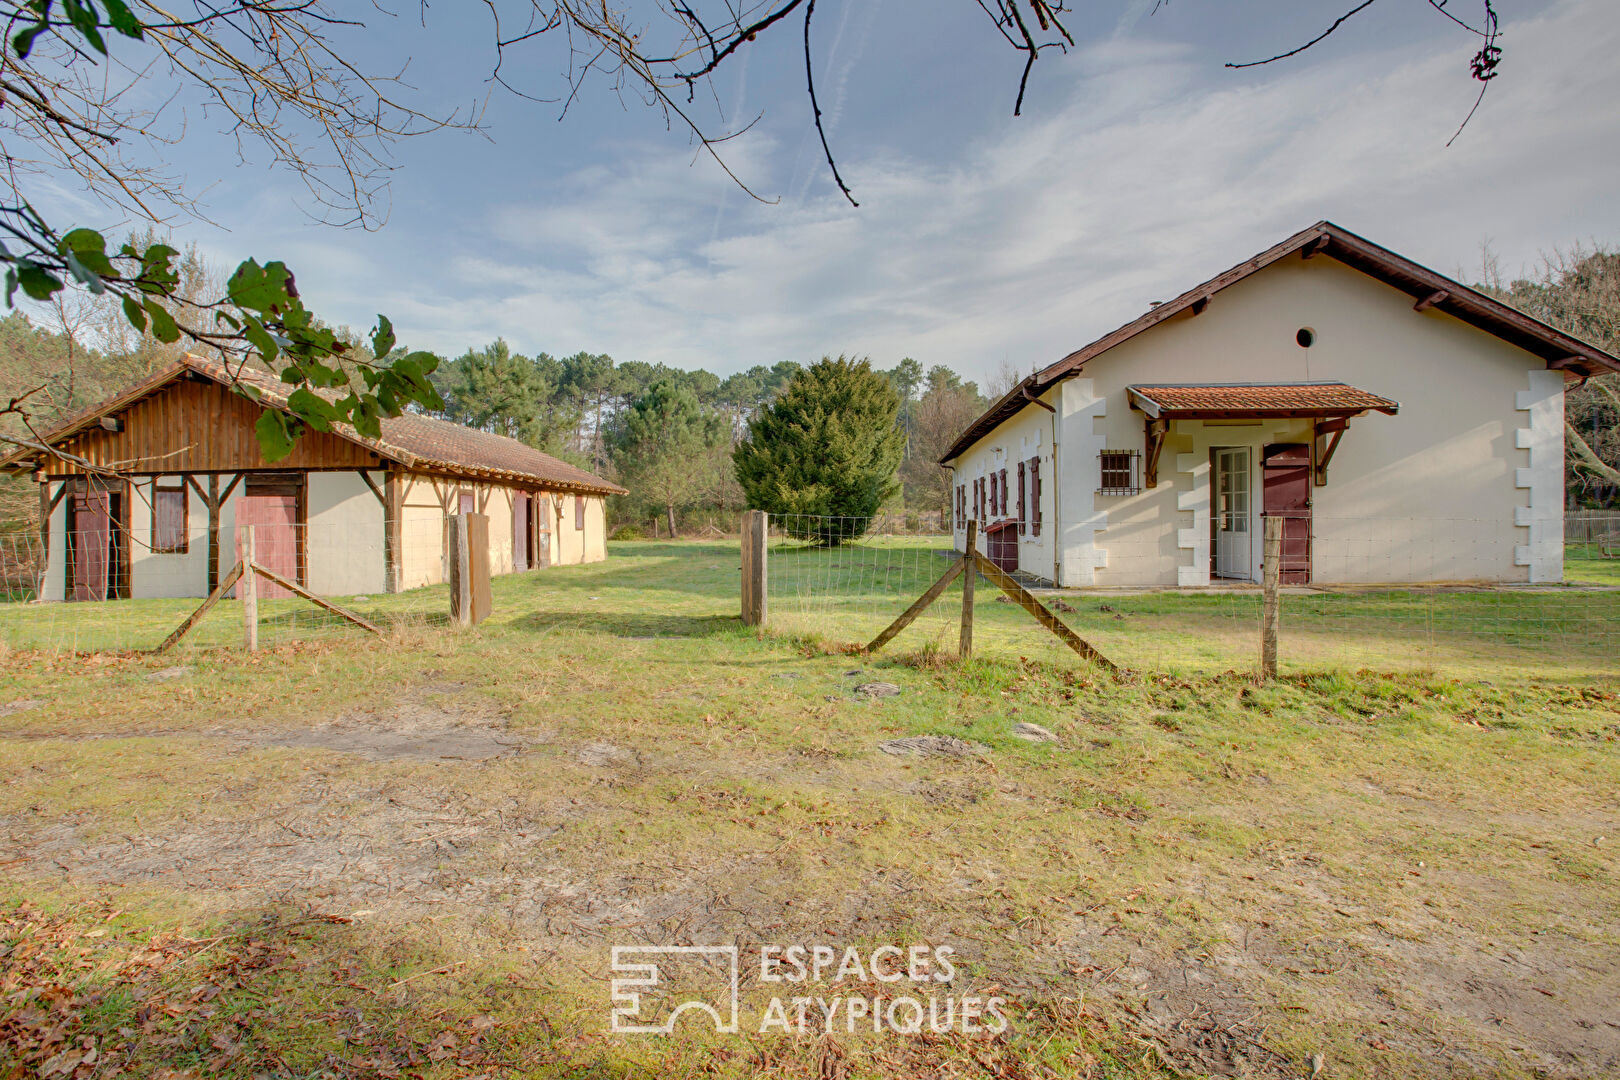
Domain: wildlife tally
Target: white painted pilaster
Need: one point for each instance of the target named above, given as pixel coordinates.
(1196, 500)
(1542, 434)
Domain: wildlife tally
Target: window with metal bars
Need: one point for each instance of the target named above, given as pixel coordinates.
(1121, 472)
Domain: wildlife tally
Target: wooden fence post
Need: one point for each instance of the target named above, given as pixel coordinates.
(460, 572)
(969, 576)
(755, 595)
(247, 586)
(1270, 606)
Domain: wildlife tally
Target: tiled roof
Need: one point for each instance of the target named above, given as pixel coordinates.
(1258, 399)
(423, 442)
(418, 442)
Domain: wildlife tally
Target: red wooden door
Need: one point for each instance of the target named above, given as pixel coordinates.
(275, 537)
(1003, 545)
(90, 528)
(520, 530)
(1288, 496)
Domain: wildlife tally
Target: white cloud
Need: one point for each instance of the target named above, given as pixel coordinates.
(1054, 229)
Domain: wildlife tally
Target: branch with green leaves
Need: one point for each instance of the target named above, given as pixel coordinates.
(261, 314)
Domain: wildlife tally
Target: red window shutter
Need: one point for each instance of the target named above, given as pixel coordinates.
(1003, 492)
(579, 513)
(1035, 495)
(1023, 526)
(169, 531)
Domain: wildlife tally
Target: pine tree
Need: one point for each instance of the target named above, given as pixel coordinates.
(665, 448)
(824, 454)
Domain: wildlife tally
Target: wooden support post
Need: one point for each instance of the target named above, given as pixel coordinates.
(1270, 607)
(964, 650)
(918, 607)
(755, 595)
(393, 559)
(1026, 600)
(212, 501)
(45, 507)
(248, 589)
(460, 572)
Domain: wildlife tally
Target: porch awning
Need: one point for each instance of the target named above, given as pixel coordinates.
(1256, 401)
(1329, 404)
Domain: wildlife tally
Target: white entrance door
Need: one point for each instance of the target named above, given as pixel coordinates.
(1232, 547)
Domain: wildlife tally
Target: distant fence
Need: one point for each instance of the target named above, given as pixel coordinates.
(846, 594)
(1591, 526)
(104, 588)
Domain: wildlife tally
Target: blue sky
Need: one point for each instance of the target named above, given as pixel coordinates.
(1141, 166)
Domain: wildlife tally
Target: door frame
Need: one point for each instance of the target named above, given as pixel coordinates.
(119, 560)
(1251, 562)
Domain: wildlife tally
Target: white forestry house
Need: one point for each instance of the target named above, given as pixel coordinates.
(1402, 426)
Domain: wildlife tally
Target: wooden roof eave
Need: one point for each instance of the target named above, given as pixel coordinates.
(517, 479)
(1153, 410)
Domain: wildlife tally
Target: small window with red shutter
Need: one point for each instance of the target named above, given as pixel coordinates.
(579, 513)
(1035, 496)
(1023, 525)
(170, 531)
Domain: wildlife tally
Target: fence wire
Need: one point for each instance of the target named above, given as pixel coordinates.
(100, 591)
(1404, 601)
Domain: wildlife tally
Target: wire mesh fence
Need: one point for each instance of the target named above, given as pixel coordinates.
(99, 589)
(1408, 598)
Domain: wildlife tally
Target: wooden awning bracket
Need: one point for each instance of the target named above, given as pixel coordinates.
(1439, 296)
(1157, 428)
(1335, 427)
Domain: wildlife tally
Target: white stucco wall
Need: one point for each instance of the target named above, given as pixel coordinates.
(345, 543)
(423, 527)
(1464, 484)
(1023, 437)
(154, 574)
(54, 585)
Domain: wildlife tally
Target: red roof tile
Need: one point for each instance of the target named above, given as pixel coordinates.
(1257, 399)
(418, 442)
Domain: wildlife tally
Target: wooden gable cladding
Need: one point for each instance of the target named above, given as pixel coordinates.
(197, 426)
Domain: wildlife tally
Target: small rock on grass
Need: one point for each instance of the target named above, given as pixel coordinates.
(602, 753)
(1033, 733)
(931, 746)
(168, 674)
(877, 689)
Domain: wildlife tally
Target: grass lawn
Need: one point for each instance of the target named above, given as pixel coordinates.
(1587, 563)
(412, 856)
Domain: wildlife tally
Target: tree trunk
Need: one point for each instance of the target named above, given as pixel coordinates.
(1587, 457)
(669, 509)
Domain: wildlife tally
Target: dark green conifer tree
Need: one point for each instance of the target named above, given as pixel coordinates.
(823, 456)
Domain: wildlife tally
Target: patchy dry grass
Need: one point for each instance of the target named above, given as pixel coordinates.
(1406, 874)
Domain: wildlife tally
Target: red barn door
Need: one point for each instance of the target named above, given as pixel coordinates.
(520, 530)
(1288, 496)
(275, 537)
(90, 526)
